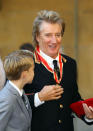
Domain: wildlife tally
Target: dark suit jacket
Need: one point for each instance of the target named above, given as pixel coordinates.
(54, 115)
(13, 113)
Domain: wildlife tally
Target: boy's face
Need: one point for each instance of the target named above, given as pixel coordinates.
(30, 74)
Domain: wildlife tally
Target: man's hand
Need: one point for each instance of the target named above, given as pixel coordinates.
(88, 111)
(51, 92)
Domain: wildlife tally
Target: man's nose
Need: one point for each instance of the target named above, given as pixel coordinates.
(53, 39)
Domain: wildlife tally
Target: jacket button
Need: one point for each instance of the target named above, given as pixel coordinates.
(59, 121)
(61, 106)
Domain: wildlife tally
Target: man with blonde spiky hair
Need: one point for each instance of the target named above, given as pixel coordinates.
(54, 86)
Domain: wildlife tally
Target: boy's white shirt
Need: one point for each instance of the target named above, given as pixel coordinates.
(14, 86)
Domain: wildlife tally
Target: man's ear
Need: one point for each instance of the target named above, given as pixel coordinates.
(37, 37)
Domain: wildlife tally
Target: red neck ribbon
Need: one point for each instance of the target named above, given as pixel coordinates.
(44, 62)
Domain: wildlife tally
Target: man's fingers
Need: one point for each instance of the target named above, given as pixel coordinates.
(88, 111)
(50, 92)
(56, 97)
(91, 108)
(59, 90)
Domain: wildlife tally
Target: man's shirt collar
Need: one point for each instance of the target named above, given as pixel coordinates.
(49, 59)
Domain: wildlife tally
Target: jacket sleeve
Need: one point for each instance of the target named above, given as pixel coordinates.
(76, 95)
(5, 113)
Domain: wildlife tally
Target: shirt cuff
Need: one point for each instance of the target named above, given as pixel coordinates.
(37, 101)
(88, 120)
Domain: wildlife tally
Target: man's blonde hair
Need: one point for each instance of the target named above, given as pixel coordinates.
(17, 62)
(47, 16)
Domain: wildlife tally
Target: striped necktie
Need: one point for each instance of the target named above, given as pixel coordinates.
(25, 101)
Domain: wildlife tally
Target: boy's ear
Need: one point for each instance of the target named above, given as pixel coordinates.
(23, 74)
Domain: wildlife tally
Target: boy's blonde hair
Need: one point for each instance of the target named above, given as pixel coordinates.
(17, 62)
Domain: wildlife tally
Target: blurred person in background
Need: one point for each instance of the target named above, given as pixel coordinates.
(27, 46)
(2, 74)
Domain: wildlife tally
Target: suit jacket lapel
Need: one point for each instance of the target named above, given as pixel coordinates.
(24, 109)
(29, 107)
(20, 101)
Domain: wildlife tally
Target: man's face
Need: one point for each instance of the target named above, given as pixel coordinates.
(49, 38)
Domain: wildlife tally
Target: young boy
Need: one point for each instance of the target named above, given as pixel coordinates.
(15, 112)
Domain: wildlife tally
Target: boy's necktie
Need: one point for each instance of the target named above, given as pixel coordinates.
(56, 68)
(25, 101)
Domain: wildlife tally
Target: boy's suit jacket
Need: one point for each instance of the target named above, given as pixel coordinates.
(13, 114)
